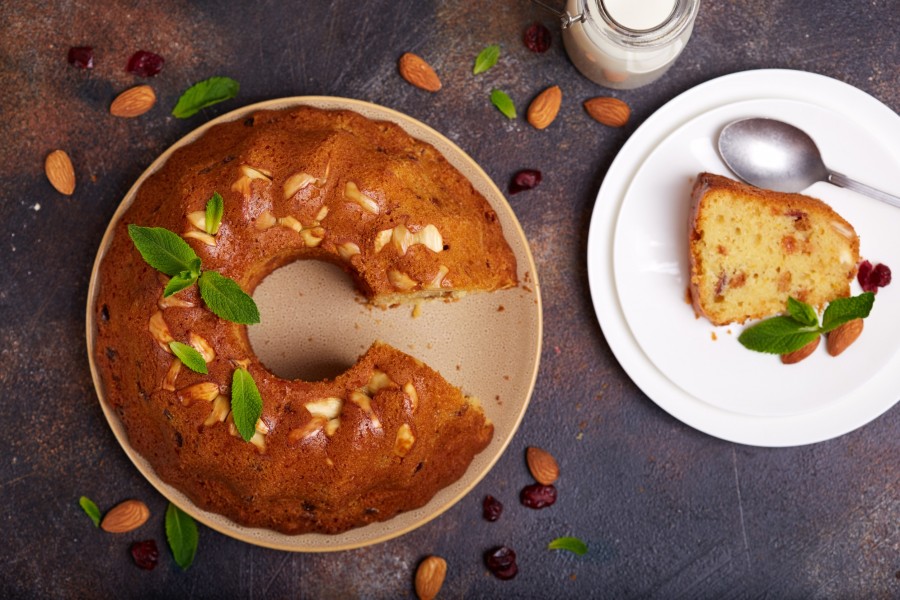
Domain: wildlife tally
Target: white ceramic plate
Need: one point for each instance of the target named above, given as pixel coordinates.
(639, 272)
(489, 352)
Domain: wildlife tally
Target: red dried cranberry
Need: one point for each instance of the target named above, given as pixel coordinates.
(501, 561)
(81, 57)
(881, 275)
(145, 554)
(862, 274)
(491, 509)
(145, 64)
(537, 38)
(538, 496)
(871, 278)
(524, 180)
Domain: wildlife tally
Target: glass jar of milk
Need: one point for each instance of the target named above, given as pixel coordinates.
(624, 44)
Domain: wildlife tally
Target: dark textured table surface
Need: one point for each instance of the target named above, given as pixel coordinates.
(668, 512)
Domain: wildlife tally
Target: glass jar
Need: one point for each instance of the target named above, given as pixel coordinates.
(624, 44)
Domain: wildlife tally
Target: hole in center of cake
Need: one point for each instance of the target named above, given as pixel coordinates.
(312, 321)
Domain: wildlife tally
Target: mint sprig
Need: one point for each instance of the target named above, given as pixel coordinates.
(215, 207)
(572, 544)
(91, 509)
(205, 93)
(167, 252)
(182, 535)
(246, 403)
(504, 103)
(225, 298)
(192, 359)
(486, 59)
(788, 333)
(163, 250)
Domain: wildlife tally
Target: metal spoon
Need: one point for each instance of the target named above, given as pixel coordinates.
(777, 156)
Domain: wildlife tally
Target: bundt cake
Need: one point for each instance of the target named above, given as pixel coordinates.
(300, 183)
(751, 249)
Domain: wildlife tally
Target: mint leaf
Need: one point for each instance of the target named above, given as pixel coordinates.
(843, 310)
(192, 359)
(572, 544)
(163, 250)
(486, 59)
(183, 280)
(504, 103)
(181, 532)
(225, 298)
(778, 335)
(803, 312)
(205, 93)
(88, 506)
(246, 403)
(214, 209)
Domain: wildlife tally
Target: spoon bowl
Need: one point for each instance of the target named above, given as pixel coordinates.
(775, 155)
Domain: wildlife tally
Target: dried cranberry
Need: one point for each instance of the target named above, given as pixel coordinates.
(81, 57)
(538, 496)
(537, 38)
(871, 278)
(501, 561)
(881, 275)
(145, 554)
(491, 508)
(524, 180)
(145, 64)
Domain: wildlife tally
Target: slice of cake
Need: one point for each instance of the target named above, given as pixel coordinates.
(750, 249)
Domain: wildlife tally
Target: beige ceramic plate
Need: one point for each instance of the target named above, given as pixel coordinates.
(314, 324)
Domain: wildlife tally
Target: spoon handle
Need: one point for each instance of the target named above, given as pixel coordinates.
(845, 182)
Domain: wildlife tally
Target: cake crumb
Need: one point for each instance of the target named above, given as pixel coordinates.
(417, 310)
(713, 336)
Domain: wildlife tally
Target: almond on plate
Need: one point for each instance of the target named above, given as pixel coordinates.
(840, 338)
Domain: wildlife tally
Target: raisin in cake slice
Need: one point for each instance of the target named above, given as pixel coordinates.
(750, 249)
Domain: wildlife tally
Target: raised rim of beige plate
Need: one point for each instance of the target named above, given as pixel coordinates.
(505, 423)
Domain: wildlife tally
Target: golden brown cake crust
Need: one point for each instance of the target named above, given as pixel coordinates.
(805, 250)
(400, 432)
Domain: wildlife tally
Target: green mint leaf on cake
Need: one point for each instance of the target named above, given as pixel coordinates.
(183, 280)
(163, 250)
(182, 534)
(246, 403)
(192, 359)
(225, 298)
(88, 506)
(802, 312)
(572, 544)
(504, 103)
(486, 59)
(205, 93)
(844, 310)
(214, 209)
(778, 335)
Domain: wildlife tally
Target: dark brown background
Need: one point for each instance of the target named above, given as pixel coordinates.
(668, 512)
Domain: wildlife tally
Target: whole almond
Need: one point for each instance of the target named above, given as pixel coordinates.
(125, 517)
(416, 71)
(798, 355)
(609, 111)
(544, 108)
(542, 465)
(133, 102)
(60, 172)
(430, 577)
(841, 337)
